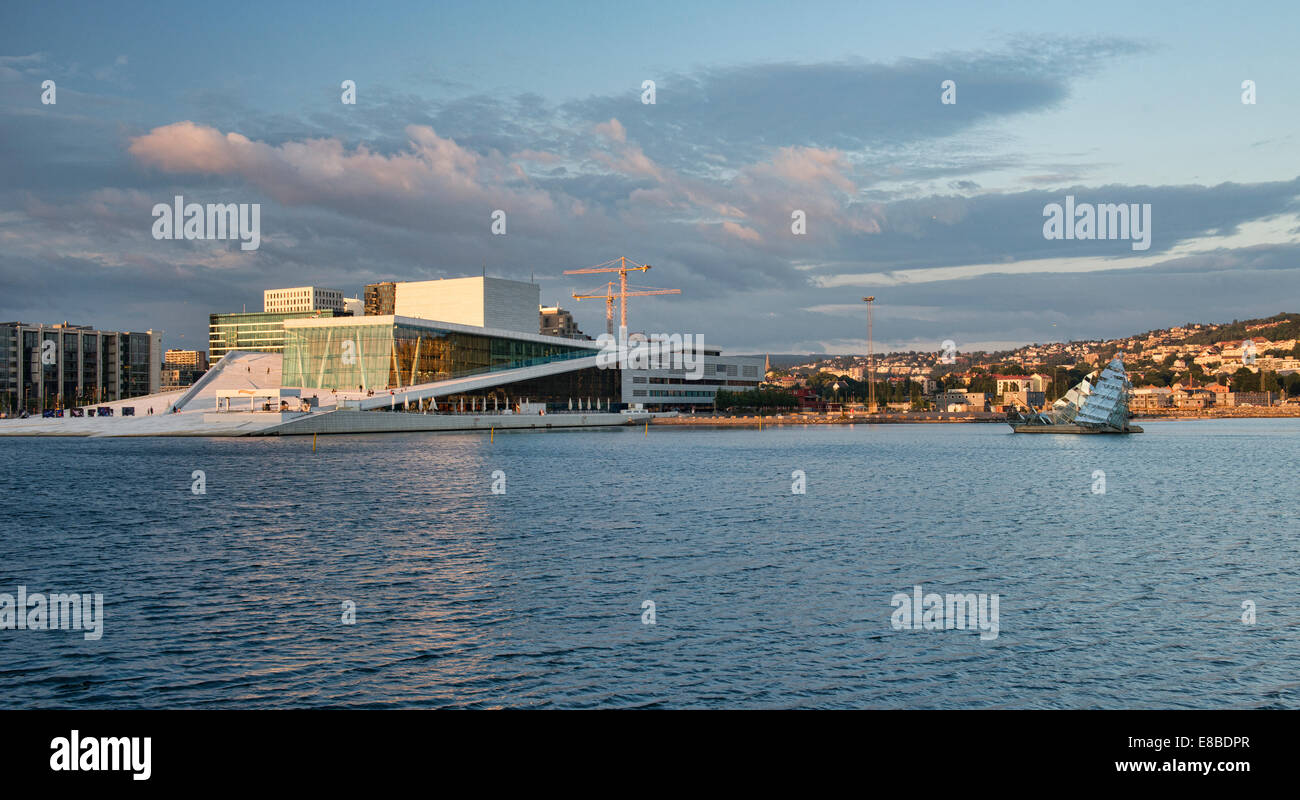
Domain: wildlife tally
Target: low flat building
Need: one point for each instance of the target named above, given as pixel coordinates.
(960, 400)
(672, 388)
(1248, 398)
(60, 366)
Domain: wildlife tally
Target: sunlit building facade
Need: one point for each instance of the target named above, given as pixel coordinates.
(60, 366)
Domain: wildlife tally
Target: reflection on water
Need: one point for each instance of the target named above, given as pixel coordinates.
(763, 597)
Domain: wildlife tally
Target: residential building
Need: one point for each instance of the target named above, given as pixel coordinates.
(181, 368)
(379, 299)
(1017, 383)
(556, 321)
(1025, 397)
(1150, 398)
(195, 359)
(58, 366)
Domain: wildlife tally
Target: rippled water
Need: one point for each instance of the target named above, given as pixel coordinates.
(763, 598)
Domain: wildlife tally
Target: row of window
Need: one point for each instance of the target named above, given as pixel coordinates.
(666, 393)
(701, 382)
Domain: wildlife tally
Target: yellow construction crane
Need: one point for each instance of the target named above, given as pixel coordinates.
(621, 266)
(609, 296)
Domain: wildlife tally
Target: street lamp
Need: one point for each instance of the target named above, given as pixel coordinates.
(871, 359)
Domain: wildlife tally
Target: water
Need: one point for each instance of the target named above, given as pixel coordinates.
(763, 598)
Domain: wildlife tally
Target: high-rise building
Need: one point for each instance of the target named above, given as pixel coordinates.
(380, 298)
(301, 298)
(556, 321)
(58, 366)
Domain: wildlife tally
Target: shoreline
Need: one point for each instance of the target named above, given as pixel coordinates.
(932, 418)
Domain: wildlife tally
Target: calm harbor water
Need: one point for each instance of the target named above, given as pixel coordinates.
(763, 598)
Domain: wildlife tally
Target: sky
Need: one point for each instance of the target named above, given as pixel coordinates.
(761, 110)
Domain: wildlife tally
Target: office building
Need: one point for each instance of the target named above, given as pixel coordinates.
(301, 298)
(674, 388)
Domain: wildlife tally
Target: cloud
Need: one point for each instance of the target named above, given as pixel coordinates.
(400, 188)
(701, 184)
(612, 130)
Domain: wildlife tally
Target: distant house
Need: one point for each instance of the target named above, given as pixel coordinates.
(1192, 397)
(1025, 397)
(960, 400)
(1148, 398)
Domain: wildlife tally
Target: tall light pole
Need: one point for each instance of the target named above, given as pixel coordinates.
(871, 360)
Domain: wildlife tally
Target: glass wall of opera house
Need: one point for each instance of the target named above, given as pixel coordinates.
(383, 352)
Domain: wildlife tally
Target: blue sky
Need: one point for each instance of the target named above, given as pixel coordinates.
(832, 108)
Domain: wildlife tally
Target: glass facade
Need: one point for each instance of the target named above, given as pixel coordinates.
(258, 332)
(391, 355)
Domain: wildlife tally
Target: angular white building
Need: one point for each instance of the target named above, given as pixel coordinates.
(482, 302)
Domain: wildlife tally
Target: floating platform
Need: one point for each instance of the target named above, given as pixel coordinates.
(1027, 428)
